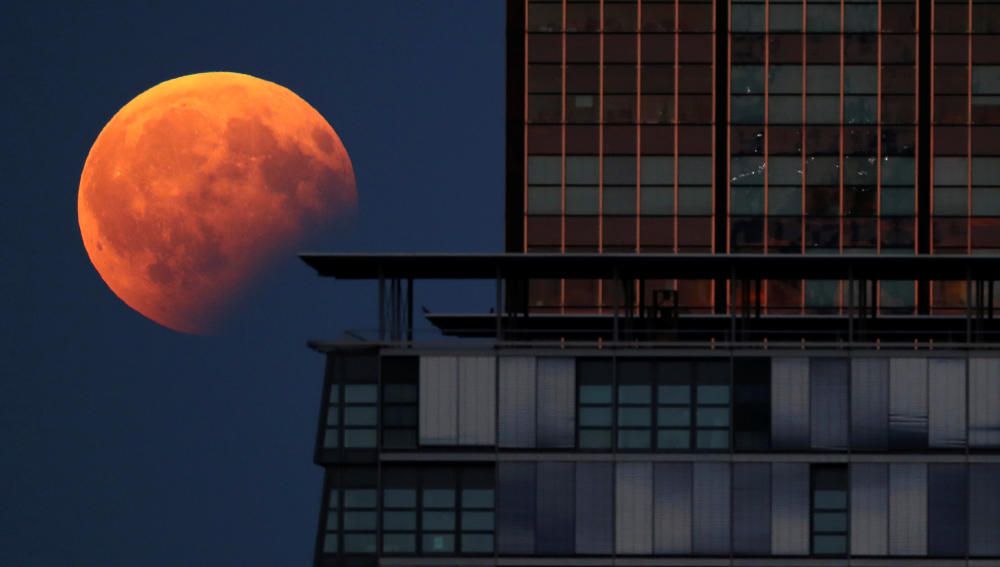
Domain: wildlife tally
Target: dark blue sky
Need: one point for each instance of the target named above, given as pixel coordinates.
(124, 443)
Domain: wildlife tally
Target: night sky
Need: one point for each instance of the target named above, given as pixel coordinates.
(125, 443)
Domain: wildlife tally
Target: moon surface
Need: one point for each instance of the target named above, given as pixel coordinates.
(199, 183)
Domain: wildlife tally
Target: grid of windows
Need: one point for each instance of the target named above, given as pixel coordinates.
(331, 434)
(351, 414)
(691, 400)
(438, 511)
(965, 123)
(618, 131)
(360, 416)
(399, 402)
(350, 525)
(829, 510)
(822, 137)
(594, 404)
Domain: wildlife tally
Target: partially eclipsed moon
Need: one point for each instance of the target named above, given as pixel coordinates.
(198, 183)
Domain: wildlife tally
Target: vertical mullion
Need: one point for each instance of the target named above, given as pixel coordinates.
(562, 160)
(968, 131)
(676, 128)
(932, 152)
(840, 141)
(638, 126)
(924, 96)
(762, 293)
(600, 149)
(721, 132)
(524, 127)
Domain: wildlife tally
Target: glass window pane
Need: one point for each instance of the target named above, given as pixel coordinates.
(438, 543)
(359, 416)
(629, 439)
(633, 417)
(634, 394)
(673, 439)
(399, 521)
(330, 543)
(694, 170)
(619, 170)
(439, 498)
(713, 394)
(399, 393)
(399, 543)
(595, 439)
(671, 394)
(359, 498)
(437, 520)
(595, 417)
(360, 394)
(583, 200)
(545, 200)
(359, 543)
(477, 498)
(656, 170)
(582, 170)
(713, 417)
(595, 394)
(359, 438)
(477, 543)
(679, 417)
(359, 520)
(544, 170)
(830, 499)
(399, 498)
(477, 521)
(712, 439)
(830, 521)
(829, 544)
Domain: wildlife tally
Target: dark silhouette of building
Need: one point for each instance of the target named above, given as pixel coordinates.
(745, 316)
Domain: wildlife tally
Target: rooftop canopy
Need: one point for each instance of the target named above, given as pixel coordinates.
(354, 266)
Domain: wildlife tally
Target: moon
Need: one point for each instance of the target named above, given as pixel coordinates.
(196, 185)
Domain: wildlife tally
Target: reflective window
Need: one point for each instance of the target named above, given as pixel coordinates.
(829, 510)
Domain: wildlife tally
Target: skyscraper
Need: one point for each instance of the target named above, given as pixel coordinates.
(802, 127)
(745, 316)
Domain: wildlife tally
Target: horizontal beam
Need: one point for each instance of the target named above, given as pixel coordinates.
(351, 266)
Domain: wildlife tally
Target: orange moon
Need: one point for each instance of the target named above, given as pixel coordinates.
(197, 184)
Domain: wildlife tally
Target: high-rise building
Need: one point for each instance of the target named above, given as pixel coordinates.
(745, 316)
(752, 126)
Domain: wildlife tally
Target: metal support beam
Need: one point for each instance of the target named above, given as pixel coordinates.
(381, 306)
(409, 310)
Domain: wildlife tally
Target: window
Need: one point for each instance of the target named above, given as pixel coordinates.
(673, 405)
(438, 500)
(434, 511)
(594, 422)
(399, 511)
(330, 539)
(360, 416)
(752, 404)
(478, 518)
(399, 402)
(829, 510)
(331, 437)
(634, 404)
(712, 405)
(358, 508)
(352, 408)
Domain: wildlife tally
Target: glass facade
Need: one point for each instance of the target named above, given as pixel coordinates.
(810, 455)
(808, 127)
